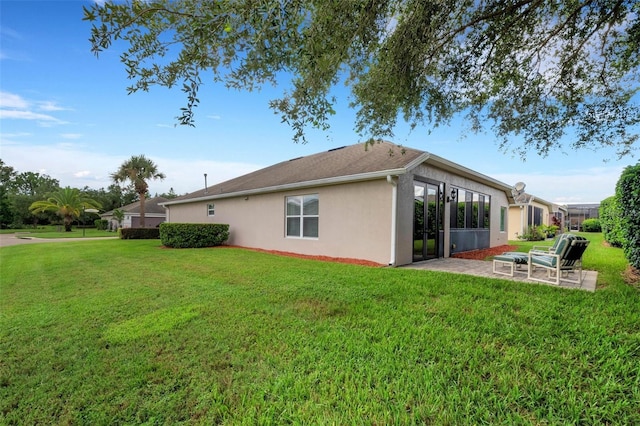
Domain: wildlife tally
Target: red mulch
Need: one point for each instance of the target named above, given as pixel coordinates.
(473, 255)
(484, 253)
(322, 258)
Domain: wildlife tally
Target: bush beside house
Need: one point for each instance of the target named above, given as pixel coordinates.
(193, 235)
(101, 224)
(591, 225)
(610, 221)
(139, 233)
(533, 233)
(628, 197)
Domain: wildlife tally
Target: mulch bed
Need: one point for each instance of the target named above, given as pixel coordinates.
(350, 261)
(631, 276)
(484, 253)
(473, 255)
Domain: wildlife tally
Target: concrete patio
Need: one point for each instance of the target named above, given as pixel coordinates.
(482, 268)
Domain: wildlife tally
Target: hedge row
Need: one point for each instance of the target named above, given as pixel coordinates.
(139, 233)
(628, 196)
(620, 215)
(610, 220)
(193, 235)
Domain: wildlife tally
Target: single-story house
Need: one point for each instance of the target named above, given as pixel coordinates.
(384, 203)
(154, 214)
(530, 211)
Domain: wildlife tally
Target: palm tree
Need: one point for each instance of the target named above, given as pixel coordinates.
(67, 202)
(137, 170)
(118, 215)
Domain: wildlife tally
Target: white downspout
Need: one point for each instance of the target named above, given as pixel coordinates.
(394, 213)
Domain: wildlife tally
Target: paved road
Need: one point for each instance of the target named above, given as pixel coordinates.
(12, 240)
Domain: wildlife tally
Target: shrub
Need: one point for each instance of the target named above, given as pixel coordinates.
(139, 233)
(591, 225)
(533, 233)
(549, 231)
(628, 197)
(610, 221)
(193, 235)
(101, 224)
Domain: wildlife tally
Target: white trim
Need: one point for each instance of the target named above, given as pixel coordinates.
(394, 215)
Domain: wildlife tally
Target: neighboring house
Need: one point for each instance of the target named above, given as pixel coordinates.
(154, 214)
(533, 211)
(579, 212)
(387, 204)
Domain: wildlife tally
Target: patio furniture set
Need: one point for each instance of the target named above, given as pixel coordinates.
(562, 261)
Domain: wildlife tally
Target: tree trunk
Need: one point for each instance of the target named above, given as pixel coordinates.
(142, 202)
(67, 224)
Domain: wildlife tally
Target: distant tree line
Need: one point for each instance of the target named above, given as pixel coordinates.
(20, 190)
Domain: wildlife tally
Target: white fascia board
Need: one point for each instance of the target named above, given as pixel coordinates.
(419, 160)
(297, 185)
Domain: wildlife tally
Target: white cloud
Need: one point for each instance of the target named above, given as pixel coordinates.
(17, 135)
(50, 106)
(590, 185)
(28, 115)
(71, 135)
(10, 100)
(16, 107)
(73, 166)
(214, 117)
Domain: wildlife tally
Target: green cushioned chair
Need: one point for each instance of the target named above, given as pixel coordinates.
(567, 258)
(552, 248)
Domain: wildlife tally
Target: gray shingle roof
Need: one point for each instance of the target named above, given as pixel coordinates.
(345, 161)
(151, 206)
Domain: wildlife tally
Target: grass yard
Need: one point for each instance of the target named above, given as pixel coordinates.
(127, 332)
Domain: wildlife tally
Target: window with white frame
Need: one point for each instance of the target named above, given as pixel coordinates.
(211, 209)
(302, 214)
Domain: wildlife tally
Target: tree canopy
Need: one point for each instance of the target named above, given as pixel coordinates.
(67, 202)
(138, 170)
(535, 71)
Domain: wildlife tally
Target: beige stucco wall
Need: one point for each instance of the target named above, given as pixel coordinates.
(518, 218)
(355, 220)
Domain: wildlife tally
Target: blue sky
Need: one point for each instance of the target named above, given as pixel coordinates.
(66, 113)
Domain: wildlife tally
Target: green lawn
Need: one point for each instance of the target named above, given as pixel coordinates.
(127, 332)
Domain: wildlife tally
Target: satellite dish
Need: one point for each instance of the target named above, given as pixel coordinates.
(518, 192)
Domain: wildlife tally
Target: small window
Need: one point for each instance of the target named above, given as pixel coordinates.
(302, 216)
(211, 209)
(487, 211)
(503, 218)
